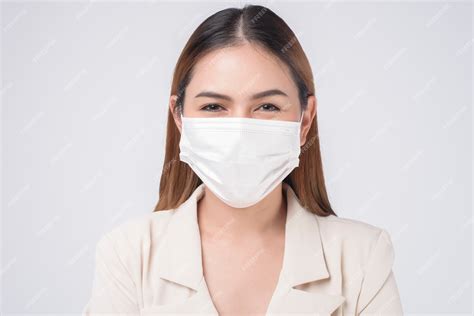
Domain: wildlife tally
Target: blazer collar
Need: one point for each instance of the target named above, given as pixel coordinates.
(182, 262)
(180, 251)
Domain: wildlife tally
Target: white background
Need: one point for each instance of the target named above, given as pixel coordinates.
(84, 103)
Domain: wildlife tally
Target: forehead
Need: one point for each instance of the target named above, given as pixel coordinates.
(240, 71)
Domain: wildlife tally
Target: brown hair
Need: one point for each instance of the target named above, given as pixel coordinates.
(230, 27)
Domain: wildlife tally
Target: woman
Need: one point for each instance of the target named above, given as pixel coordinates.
(243, 225)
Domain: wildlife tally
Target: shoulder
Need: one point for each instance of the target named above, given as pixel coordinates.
(135, 235)
(355, 240)
(363, 255)
(348, 228)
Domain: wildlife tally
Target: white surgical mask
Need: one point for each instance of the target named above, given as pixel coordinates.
(241, 160)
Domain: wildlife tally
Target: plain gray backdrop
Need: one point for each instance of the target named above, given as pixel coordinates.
(85, 88)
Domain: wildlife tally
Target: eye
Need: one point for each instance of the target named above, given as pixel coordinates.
(268, 107)
(211, 107)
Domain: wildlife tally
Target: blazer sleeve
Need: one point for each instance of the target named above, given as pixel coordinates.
(379, 293)
(113, 290)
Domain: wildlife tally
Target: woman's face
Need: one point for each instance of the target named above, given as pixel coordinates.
(244, 81)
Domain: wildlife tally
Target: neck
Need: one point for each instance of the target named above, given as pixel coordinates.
(218, 220)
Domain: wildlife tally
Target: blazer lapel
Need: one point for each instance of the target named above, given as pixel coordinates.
(198, 303)
(181, 260)
(303, 262)
(180, 250)
(301, 302)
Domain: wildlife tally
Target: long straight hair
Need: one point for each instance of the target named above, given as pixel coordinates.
(231, 27)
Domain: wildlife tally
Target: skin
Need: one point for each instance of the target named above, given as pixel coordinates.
(243, 248)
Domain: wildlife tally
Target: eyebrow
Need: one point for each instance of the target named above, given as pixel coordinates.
(259, 95)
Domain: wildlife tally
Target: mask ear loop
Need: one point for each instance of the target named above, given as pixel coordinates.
(301, 118)
(181, 114)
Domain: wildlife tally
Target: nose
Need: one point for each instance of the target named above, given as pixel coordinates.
(242, 112)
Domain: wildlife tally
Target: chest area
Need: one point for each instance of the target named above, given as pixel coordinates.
(242, 280)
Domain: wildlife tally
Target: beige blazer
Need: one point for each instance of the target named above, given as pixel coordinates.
(151, 265)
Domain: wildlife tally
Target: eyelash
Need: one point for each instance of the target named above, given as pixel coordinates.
(207, 105)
